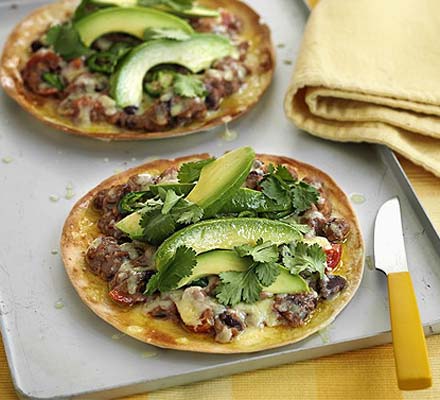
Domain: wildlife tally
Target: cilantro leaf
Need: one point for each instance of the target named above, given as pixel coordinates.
(280, 186)
(238, 286)
(229, 292)
(190, 172)
(177, 268)
(267, 273)
(281, 172)
(246, 286)
(251, 287)
(152, 204)
(153, 284)
(157, 226)
(189, 214)
(301, 256)
(262, 252)
(163, 214)
(274, 189)
(244, 250)
(189, 86)
(165, 33)
(66, 41)
(304, 196)
(182, 210)
(180, 266)
(171, 199)
(52, 34)
(133, 201)
(53, 80)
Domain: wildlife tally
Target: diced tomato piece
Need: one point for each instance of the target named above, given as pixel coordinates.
(77, 63)
(333, 256)
(120, 297)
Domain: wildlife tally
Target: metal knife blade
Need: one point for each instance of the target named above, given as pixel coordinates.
(389, 245)
(309, 5)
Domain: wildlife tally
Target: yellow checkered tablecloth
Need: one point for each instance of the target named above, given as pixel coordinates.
(365, 374)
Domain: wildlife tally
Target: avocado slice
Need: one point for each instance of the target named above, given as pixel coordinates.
(190, 12)
(196, 54)
(218, 261)
(130, 225)
(221, 179)
(215, 262)
(131, 20)
(225, 233)
(287, 283)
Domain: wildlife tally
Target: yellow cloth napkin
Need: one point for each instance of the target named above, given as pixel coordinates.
(369, 71)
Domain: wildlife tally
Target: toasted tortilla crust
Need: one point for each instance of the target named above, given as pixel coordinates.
(81, 228)
(16, 53)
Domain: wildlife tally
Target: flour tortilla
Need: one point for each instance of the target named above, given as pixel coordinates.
(17, 52)
(81, 229)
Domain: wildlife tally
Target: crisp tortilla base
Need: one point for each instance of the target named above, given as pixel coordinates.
(16, 53)
(80, 229)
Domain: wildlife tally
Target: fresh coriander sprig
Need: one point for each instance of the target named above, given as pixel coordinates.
(300, 256)
(178, 267)
(262, 252)
(238, 286)
(246, 286)
(170, 210)
(66, 41)
(189, 86)
(135, 200)
(190, 171)
(280, 186)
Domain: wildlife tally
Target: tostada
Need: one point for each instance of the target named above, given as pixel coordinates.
(236, 254)
(138, 69)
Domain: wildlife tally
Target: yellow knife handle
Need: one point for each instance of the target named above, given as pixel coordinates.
(312, 3)
(410, 353)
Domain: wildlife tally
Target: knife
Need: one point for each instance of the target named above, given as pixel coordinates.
(410, 353)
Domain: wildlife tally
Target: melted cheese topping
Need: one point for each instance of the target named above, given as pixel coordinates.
(259, 314)
(322, 241)
(192, 303)
(130, 248)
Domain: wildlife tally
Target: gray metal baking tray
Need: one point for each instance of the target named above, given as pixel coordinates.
(59, 349)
